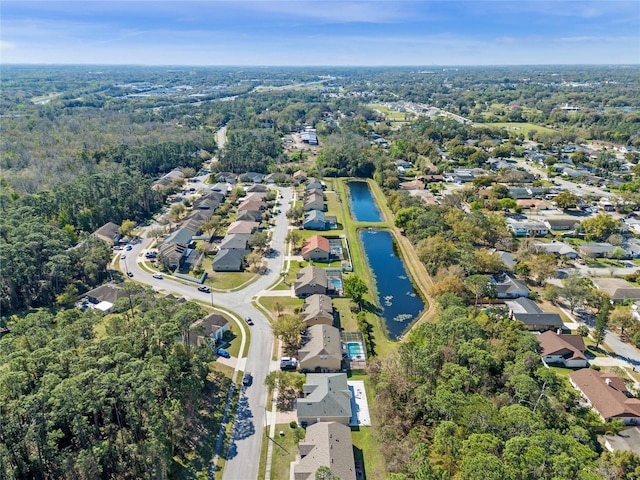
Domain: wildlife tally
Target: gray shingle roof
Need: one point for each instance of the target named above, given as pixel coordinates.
(325, 395)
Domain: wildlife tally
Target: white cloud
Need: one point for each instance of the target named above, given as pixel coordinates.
(5, 45)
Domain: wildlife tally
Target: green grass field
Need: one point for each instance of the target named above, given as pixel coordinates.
(391, 115)
(523, 128)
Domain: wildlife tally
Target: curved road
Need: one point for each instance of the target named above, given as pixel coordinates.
(243, 457)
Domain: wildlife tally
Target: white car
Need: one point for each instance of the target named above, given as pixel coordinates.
(157, 275)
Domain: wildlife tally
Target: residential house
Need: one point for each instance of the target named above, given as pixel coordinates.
(192, 225)
(209, 201)
(313, 184)
(242, 226)
(172, 254)
(596, 250)
(313, 200)
(528, 312)
(534, 204)
(227, 177)
(229, 260)
(617, 288)
(182, 235)
(109, 233)
(211, 329)
(202, 216)
(103, 297)
(310, 280)
(299, 177)
(527, 228)
(403, 164)
(317, 309)
(235, 241)
(326, 398)
(501, 164)
(430, 178)
(633, 248)
(566, 350)
(607, 394)
(559, 249)
(249, 216)
(222, 188)
(317, 249)
(255, 197)
(251, 205)
(258, 188)
(167, 179)
(254, 177)
(326, 444)
(562, 223)
(508, 286)
(315, 220)
(412, 185)
(519, 193)
(459, 177)
(323, 350)
(537, 192)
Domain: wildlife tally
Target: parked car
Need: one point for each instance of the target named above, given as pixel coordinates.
(128, 247)
(204, 288)
(288, 363)
(246, 379)
(223, 353)
(150, 255)
(123, 256)
(158, 276)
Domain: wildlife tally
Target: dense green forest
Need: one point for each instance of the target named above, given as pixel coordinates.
(125, 396)
(469, 398)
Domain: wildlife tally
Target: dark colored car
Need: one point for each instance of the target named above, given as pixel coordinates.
(247, 379)
(223, 353)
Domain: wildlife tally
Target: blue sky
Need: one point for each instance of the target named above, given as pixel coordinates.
(267, 32)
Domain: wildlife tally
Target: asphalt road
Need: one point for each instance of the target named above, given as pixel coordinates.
(243, 457)
(622, 350)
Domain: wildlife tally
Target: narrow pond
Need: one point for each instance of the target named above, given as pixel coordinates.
(399, 301)
(363, 206)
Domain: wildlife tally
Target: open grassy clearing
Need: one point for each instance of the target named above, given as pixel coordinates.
(520, 127)
(287, 305)
(391, 115)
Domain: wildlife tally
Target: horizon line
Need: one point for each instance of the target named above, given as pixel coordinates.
(624, 64)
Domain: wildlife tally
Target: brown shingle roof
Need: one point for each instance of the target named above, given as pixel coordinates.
(553, 344)
(606, 392)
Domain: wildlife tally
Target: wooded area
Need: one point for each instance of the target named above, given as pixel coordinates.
(122, 397)
(470, 398)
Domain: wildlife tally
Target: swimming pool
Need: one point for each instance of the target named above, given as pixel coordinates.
(336, 282)
(354, 350)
